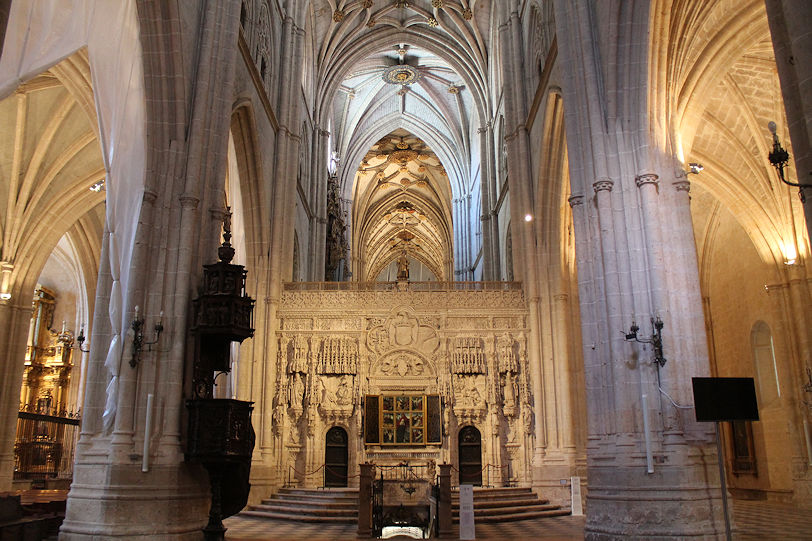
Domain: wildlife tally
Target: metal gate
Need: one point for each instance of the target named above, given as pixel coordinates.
(377, 506)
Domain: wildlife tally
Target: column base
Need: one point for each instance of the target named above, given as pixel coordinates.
(170, 502)
(674, 502)
(551, 480)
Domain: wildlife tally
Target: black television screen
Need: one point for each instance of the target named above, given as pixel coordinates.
(725, 399)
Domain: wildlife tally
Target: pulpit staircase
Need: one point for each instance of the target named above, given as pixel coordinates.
(506, 505)
(326, 505)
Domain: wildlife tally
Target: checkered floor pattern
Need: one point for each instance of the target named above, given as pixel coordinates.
(758, 520)
(752, 521)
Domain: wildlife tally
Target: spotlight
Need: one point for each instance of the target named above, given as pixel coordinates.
(528, 217)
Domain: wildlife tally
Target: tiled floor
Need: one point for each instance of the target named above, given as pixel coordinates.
(752, 521)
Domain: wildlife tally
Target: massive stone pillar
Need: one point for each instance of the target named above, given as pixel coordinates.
(790, 22)
(536, 258)
(652, 473)
(130, 478)
(269, 466)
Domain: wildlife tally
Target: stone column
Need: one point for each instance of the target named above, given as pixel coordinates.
(626, 272)
(15, 315)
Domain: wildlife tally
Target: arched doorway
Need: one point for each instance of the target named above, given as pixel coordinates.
(470, 453)
(335, 458)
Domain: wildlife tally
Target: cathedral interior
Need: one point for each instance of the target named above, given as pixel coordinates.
(500, 235)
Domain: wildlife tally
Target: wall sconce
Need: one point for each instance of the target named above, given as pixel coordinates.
(693, 169)
(81, 339)
(138, 336)
(656, 339)
(790, 254)
(779, 158)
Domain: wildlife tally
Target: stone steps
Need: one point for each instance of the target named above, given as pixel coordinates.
(334, 506)
(507, 505)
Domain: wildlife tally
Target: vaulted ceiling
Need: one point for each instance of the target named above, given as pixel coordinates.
(401, 206)
(410, 73)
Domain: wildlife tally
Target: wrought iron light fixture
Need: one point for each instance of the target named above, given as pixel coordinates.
(656, 339)
(138, 336)
(779, 158)
(81, 339)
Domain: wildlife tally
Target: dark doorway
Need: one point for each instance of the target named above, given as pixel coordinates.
(335, 458)
(470, 446)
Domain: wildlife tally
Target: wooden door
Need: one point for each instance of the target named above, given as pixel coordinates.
(470, 454)
(335, 458)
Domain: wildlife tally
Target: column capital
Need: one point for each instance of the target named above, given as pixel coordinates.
(603, 183)
(576, 200)
(682, 185)
(149, 197)
(188, 201)
(646, 177)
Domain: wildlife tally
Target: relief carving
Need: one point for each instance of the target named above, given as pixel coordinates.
(336, 398)
(506, 354)
(401, 330)
(469, 405)
(401, 364)
(298, 357)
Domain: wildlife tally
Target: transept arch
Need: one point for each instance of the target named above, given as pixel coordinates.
(715, 53)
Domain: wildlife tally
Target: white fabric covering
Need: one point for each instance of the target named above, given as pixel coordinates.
(40, 34)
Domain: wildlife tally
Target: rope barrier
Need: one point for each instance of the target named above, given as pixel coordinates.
(305, 473)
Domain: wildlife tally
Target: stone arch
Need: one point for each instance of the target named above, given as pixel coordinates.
(717, 54)
(764, 363)
(244, 133)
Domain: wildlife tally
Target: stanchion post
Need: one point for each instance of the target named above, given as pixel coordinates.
(365, 499)
(444, 503)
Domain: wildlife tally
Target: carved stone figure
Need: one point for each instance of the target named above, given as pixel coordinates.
(299, 359)
(343, 394)
(297, 391)
(506, 354)
(403, 268)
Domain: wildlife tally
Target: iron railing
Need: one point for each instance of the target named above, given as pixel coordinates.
(489, 476)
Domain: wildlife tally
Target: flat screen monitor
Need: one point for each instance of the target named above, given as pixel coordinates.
(725, 399)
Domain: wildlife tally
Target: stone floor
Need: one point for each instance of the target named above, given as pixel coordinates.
(753, 520)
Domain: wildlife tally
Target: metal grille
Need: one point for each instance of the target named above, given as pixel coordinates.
(44, 446)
